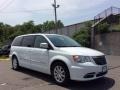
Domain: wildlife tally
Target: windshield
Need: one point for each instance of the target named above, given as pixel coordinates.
(62, 41)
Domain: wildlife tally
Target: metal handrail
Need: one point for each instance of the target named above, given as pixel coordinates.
(106, 13)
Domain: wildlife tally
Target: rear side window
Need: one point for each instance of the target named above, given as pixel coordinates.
(17, 41)
(28, 41)
(38, 40)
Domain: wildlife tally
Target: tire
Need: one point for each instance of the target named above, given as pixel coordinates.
(15, 64)
(60, 73)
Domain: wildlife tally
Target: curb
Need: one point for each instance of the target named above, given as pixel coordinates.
(4, 59)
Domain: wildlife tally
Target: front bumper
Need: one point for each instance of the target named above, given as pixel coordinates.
(87, 72)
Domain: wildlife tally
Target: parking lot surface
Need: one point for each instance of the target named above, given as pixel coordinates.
(25, 79)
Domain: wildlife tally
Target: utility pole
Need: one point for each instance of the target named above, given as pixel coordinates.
(92, 36)
(55, 6)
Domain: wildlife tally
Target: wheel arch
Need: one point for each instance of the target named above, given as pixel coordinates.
(13, 56)
(61, 59)
(56, 61)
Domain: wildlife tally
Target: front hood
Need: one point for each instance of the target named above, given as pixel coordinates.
(81, 51)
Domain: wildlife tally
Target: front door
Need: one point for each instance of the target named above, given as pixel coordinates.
(39, 56)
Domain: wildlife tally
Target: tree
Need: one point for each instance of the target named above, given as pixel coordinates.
(38, 28)
(83, 35)
(28, 27)
(60, 24)
(1, 31)
(50, 25)
(8, 32)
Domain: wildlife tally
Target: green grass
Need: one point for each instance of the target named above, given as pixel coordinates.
(3, 57)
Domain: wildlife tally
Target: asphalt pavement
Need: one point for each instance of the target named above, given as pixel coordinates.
(25, 79)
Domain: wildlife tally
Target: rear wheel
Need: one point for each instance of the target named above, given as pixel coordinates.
(15, 64)
(60, 73)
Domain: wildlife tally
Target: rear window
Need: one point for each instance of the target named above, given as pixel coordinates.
(17, 41)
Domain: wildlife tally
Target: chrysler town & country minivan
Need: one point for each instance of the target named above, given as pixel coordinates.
(59, 56)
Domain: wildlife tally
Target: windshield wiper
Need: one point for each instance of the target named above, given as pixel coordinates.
(76, 46)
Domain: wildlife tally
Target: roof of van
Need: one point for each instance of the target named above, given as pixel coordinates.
(37, 34)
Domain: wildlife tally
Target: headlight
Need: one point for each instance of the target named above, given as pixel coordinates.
(82, 59)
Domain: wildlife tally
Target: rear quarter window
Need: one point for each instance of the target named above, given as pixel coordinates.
(17, 41)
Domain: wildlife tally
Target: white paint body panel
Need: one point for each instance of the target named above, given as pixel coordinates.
(82, 51)
(41, 59)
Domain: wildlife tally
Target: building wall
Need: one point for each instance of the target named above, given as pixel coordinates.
(108, 43)
(68, 30)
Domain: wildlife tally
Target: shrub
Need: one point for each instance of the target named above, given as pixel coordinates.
(103, 28)
(82, 37)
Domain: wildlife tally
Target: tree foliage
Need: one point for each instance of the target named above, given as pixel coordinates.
(83, 36)
(8, 33)
(103, 27)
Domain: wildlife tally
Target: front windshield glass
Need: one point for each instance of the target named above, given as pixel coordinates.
(62, 41)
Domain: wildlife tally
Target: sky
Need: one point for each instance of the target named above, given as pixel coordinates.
(15, 12)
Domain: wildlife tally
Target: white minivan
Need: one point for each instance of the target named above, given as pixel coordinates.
(59, 56)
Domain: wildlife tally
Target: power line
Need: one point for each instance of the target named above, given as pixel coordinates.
(25, 11)
(8, 4)
(2, 4)
(11, 1)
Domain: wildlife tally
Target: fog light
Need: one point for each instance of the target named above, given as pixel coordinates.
(89, 75)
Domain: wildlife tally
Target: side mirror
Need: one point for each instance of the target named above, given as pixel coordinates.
(44, 45)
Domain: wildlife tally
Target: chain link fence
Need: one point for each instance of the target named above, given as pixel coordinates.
(106, 13)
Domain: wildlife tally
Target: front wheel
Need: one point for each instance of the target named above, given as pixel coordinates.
(60, 73)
